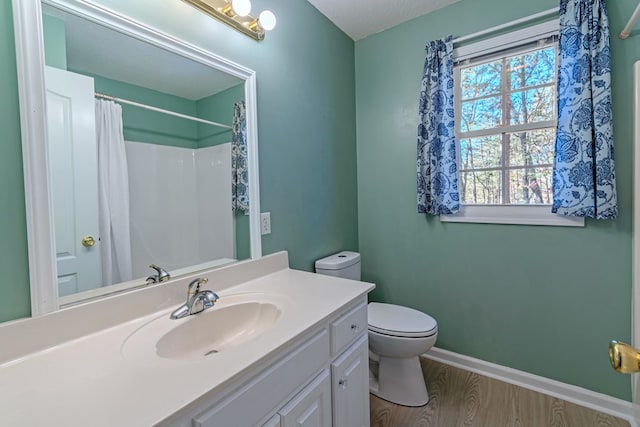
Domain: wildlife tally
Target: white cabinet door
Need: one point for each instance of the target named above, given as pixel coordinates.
(350, 386)
(312, 406)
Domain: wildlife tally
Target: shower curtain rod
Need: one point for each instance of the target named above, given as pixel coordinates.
(159, 110)
(632, 21)
(507, 25)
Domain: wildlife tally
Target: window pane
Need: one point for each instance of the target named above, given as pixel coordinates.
(530, 186)
(531, 148)
(532, 69)
(481, 80)
(484, 152)
(534, 105)
(480, 187)
(516, 90)
(481, 114)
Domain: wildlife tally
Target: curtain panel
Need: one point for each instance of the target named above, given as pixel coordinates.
(584, 183)
(437, 178)
(239, 167)
(113, 194)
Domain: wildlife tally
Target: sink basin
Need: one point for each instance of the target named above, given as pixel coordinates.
(214, 331)
(233, 321)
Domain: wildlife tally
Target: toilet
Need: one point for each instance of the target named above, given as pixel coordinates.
(397, 337)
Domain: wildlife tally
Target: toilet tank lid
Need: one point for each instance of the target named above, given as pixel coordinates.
(338, 261)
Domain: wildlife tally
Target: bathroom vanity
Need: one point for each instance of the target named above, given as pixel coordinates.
(280, 348)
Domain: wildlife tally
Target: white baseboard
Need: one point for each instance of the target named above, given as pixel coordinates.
(578, 395)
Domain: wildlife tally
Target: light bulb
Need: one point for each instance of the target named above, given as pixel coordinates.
(267, 20)
(241, 7)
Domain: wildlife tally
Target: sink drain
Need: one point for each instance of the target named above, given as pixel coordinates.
(210, 352)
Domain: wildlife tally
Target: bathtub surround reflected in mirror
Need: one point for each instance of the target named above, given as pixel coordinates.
(151, 182)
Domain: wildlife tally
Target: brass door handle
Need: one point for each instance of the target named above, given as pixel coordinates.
(624, 358)
(88, 241)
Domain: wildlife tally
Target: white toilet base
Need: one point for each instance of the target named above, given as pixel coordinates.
(400, 381)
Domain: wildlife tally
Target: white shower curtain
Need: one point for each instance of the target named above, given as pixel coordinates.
(113, 194)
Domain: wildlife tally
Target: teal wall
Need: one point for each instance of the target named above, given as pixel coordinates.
(306, 115)
(243, 235)
(55, 42)
(545, 300)
(14, 286)
(217, 108)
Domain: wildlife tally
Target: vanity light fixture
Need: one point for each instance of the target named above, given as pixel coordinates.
(235, 13)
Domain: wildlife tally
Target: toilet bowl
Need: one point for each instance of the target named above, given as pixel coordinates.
(397, 337)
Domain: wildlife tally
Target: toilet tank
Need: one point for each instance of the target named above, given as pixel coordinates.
(344, 264)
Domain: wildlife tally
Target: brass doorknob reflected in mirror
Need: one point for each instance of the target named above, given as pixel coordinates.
(88, 241)
(624, 358)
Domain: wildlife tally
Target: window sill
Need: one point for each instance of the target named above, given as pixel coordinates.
(512, 214)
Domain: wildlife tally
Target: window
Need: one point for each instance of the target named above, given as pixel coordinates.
(506, 127)
(505, 109)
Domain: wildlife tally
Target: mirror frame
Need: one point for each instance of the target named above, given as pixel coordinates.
(29, 43)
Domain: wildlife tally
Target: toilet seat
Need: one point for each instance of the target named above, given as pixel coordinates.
(398, 321)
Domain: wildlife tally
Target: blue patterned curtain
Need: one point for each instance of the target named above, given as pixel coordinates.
(240, 175)
(437, 165)
(584, 181)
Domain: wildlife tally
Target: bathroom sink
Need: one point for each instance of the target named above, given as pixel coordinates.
(214, 330)
(234, 320)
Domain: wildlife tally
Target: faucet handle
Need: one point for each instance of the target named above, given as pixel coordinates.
(194, 286)
(211, 297)
(162, 276)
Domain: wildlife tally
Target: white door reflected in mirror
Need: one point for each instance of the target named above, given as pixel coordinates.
(74, 181)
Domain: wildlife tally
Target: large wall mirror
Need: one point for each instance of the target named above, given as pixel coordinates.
(138, 149)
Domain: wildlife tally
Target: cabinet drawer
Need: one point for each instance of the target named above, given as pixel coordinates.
(248, 405)
(348, 327)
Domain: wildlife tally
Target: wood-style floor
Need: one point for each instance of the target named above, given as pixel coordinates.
(463, 398)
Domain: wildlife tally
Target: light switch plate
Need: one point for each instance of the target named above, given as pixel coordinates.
(265, 223)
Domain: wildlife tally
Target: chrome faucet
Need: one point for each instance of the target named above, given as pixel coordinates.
(197, 300)
(162, 275)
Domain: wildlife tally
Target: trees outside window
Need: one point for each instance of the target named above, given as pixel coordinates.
(505, 126)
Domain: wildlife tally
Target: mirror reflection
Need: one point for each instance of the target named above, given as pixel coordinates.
(147, 153)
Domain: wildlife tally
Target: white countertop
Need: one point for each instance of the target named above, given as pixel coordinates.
(87, 380)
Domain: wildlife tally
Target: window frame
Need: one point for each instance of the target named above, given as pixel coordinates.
(534, 214)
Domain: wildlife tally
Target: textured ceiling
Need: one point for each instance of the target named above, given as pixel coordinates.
(360, 18)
